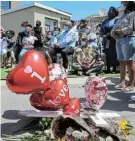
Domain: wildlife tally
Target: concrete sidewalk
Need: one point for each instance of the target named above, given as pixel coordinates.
(117, 101)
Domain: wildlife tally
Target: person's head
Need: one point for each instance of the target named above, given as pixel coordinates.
(28, 28)
(113, 12)
(129, 6)
(67, 25)
(85, 23)
(56, 31)
(98, 26)
(10, 33)
(7, 33)
(124, 3)
(49, 35)
(73, 23)
(38, 23)
(23, 25)
(3, 34)
(84, 41)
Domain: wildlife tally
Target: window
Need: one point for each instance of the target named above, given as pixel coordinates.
(50, 24)
(5, 5)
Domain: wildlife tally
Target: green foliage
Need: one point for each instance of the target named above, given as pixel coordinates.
(45, 123)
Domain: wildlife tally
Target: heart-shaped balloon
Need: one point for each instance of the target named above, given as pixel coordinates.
(53, 98)
(73, 108)
(30, 75)
(59, 92)
(56, 71)
(39, 103)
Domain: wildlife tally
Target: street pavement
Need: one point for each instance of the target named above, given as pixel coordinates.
(11, 103)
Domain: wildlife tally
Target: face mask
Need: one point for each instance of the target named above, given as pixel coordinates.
(55, 33)
(66, 28)
(83, 43)
(37, 24)
(22, 29)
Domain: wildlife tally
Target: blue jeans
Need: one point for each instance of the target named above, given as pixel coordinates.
(125, 48)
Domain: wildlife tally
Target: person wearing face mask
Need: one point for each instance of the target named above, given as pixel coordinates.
(66, 43)
(87, 59)
(38, 34)
(84, 28)
(47, 40)
(110, 42)
(28, 41)
(56, 33)
(19, 43)
(124, 33)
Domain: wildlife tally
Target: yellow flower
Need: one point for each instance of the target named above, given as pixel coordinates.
(59, 139)
(125, 126)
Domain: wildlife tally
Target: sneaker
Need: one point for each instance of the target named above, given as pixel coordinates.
(133, 97)
(119, 86)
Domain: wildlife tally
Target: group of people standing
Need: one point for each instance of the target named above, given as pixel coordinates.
(76, 39)
(119, 36)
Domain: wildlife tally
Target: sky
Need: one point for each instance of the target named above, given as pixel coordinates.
(78, 9)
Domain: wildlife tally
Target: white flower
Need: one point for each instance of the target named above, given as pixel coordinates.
(77, 135)
(69, 131)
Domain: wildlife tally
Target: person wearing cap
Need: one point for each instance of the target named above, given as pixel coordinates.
(86, 58)
(66, 43)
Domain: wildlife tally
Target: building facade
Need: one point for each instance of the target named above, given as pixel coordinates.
(49, 17)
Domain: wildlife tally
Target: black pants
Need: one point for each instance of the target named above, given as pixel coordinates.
(64, 54)
(17, 52)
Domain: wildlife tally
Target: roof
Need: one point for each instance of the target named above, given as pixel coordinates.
(37, 5)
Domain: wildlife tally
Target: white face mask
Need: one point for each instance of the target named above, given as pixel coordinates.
(83, 43)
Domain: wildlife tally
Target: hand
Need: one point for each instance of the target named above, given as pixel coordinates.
(84, 66)
(116, 37)
(119, 31)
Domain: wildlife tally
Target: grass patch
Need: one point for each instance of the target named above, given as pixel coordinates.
(4, 73)
(112, 75)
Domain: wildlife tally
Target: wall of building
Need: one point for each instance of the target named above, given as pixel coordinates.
(13, 20)
(41, 14)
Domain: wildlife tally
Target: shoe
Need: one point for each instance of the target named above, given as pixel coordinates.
(119, 86)
(133, 97)
(128, 89)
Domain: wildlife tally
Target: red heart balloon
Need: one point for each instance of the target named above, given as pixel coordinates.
(30, 75)
(59, 92)
(41, 103)
(73, 108)
(36, 100)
